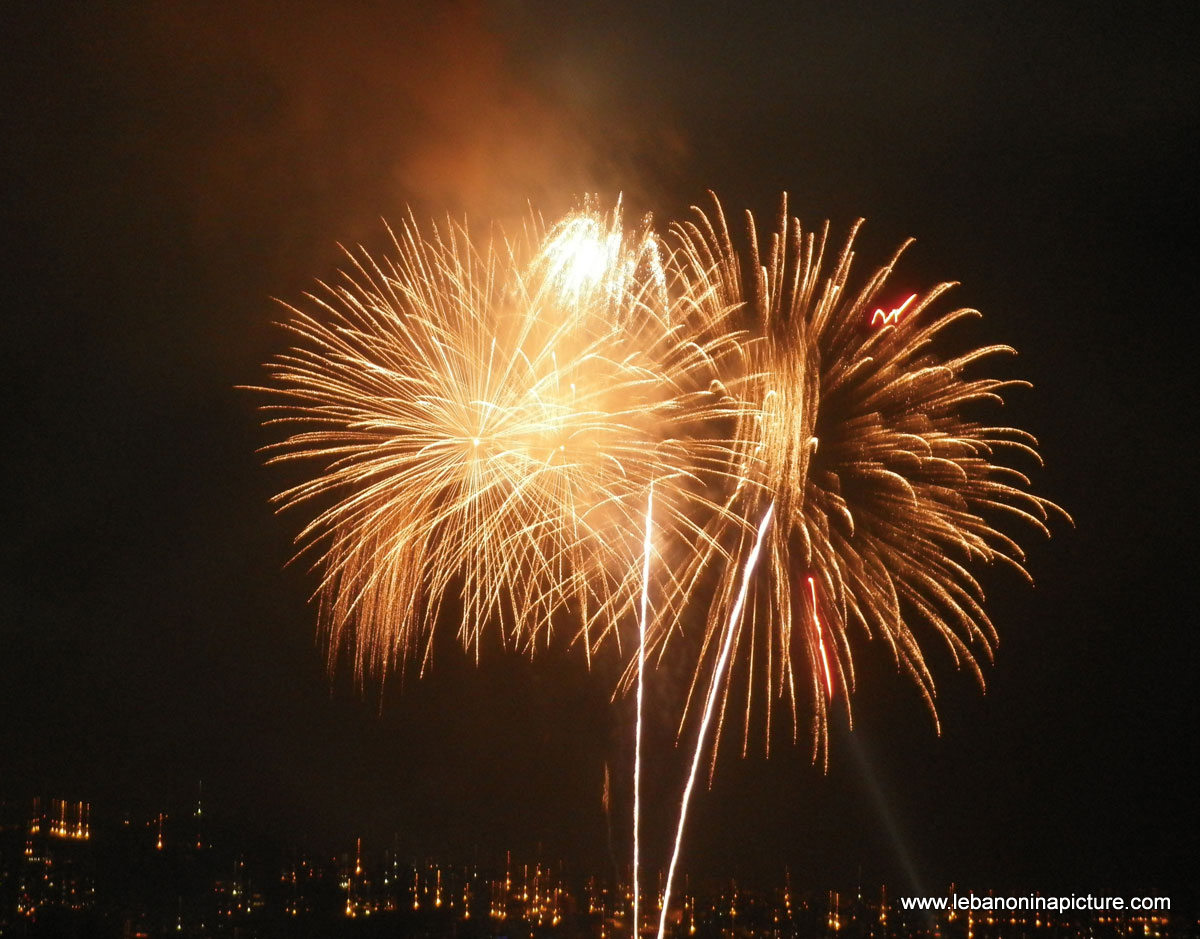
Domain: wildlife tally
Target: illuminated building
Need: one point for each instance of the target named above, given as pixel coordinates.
(57, 868)
(199, 816)
(12, 848)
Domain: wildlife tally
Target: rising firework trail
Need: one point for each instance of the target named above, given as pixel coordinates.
(709, 705)
(637, 743)
(606, 804)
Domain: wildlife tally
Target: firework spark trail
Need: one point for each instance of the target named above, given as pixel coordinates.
(812, 590)
(709, 704)
(637, 745)
(890, 318)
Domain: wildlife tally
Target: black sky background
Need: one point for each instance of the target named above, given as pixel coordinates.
(166, 171)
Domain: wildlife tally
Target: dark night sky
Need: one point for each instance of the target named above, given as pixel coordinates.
(166, 173)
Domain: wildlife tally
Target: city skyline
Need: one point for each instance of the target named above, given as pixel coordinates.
(160, 875)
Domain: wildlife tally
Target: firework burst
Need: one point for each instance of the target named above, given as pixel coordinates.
(855, 433)
(486, 423)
